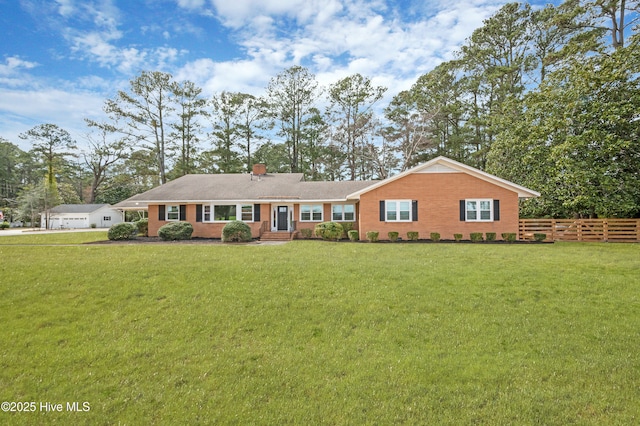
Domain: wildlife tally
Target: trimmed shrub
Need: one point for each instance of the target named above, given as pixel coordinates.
(435, 236)
(491, 236)
(122, 231)
(4, 225)
(346, 227)
(353, 235)
(413, 235)
(539, 237)
(393, 236)
(236, 231)
(306, 232)
(509, 237)
(93, 226)
(476, 237)
(372, 236)
(143, 226)
(329, 231)
(173, 231)
(457, 237)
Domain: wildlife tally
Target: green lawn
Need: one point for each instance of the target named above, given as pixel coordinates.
(60, 238)
(322, 333)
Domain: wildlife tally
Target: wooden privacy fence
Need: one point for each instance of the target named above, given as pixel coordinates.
(611, 230)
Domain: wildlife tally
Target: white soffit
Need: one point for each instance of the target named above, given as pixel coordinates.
(438, 168)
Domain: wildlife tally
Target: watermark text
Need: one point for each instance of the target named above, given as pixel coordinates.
(45, 406)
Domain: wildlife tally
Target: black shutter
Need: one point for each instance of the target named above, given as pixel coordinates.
(496, 210)
(382, 212)
(256, 212)
(463, 213)
(198, 212)
(161, 214)
(183, 212)
(414, 210)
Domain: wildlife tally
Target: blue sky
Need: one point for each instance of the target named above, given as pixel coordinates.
(60, 59)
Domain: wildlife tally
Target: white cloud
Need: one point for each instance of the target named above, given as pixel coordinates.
(20, 110)
(102, 44)
(231, 76)
(191, 4)
(339, 38)
(239, 12)
(14, 64)
(66, 7)
(333, 38)
(336, 39)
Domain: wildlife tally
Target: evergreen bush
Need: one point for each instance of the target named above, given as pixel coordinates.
(539, 237)
(236, 231)
(173, 231)
(4, 225)
(329, 231)
(509, 237)
(435, 236)
(122, 231)
(393, 236)
(457, 237)
(372, 236)
(413, 235)
(354, 235)
(143, 226)
(346, 227)
(476, 237)
(490, 236)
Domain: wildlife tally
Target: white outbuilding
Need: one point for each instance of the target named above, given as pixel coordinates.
(74, 216)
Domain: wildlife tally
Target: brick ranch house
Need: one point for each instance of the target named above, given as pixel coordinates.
(441, 195)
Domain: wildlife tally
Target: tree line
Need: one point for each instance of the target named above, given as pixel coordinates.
(547, 98)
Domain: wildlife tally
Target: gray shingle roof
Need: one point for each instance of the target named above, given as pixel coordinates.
(77, 208)
(244, 187)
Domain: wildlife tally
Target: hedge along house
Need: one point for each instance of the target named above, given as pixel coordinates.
(441, 195)
(275, 206)
(444, 196)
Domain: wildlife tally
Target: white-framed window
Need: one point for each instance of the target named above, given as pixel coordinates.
(398, 210)
(227, 212)
(246, 212)
(311, 213)
(479, 210)
(173, 212)
(343, 212)
(224, 213)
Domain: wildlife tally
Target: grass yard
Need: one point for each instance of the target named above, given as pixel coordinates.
(321, 333)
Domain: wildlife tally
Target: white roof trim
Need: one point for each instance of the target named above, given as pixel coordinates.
(438, 168)
(447, 165)
(252, 201)
(145, 204)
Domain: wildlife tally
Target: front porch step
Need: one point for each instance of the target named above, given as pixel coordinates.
(278, 236)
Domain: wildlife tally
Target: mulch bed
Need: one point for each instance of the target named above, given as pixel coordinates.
(212, 241)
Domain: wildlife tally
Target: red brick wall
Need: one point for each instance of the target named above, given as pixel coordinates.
(326, 217)
(204, 229)
(154, 223)
(438, 196)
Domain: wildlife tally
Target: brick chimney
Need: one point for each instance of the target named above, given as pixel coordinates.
(259, 169)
